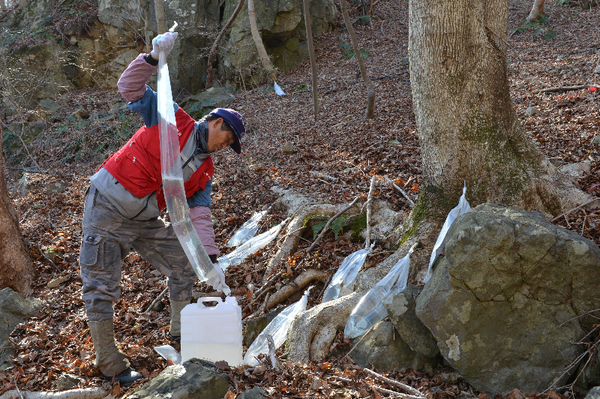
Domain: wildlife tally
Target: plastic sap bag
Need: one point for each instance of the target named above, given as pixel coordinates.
(172, 178)
(342, 280)
(169, 353)
(462, 207)
(370, 310)
(277, 329)
(247, 230)
(278, 89)
(242, 252)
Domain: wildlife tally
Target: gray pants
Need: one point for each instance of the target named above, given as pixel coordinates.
(107, 239)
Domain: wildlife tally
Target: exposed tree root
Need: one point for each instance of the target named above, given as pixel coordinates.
(290, 242)
(298, 284)
(312, 332)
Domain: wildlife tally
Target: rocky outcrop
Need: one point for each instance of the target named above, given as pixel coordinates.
(94, 51)
(507, 303)
(282, 28)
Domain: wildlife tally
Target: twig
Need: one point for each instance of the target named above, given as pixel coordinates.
(213, 48)
(397, 383)
(410, 179)
(329, 223)
(323, 175)
(589, 351)
(583, 227)
(571, 366)
(400, 394)
(48, 259)
(263, 289)
(302, 238)
(260, 310)
(562, 89)
(264, 305)
(272, 353)
(359, 341)
(369, 200)
(17, 387)
(156, 300)
(325, 286)
(412, 204)
(28, 170)
(574, 209)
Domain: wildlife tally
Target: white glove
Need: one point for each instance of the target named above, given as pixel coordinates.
(164, 42)
(218, 282)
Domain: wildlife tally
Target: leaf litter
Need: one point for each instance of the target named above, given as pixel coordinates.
(339, 143)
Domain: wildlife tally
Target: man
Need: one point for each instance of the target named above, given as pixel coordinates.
(123, 205)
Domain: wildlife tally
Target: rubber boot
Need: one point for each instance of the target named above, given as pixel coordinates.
(112, 363)
(175, 329)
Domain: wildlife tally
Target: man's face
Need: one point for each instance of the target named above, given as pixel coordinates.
(218, 139)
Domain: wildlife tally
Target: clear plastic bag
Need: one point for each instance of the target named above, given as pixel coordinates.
(370, 310)
(247, 231)
(260, 241)
(277, 329)
(169, 353)
(343, 280)
(172, 179)
(462, 207)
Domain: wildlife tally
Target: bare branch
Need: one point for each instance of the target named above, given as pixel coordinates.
(329, 223)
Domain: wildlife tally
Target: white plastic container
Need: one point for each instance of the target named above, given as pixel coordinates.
(212, 332)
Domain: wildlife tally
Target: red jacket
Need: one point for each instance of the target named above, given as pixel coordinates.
(137, 164)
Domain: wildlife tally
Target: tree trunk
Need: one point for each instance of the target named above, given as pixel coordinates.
(361, 64)
(260, 47)
(536, 11)
(16, 269)
(159, 10)
(468, 129)
(311, 52)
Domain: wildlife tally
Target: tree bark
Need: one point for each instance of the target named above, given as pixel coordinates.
(16, 269)
(536, 10)
(159, 10)
(468, 129)
(213, 49)
(260, 47)
(311, 52)
(361, 64)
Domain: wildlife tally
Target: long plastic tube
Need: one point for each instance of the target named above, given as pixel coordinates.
(172, 179)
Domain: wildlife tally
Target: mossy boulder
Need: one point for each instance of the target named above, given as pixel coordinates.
(508, 301)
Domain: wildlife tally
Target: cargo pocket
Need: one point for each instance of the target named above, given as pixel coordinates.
(90, 248)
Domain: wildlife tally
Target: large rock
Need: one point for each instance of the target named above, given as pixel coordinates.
(14, 309)
(282, 29)
(401, 309)
(506, 302)
(194, 379)
(387, 351)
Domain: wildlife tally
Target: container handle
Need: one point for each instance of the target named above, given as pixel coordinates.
(209, 299)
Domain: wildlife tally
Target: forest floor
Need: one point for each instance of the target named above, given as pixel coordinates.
(340, 143)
